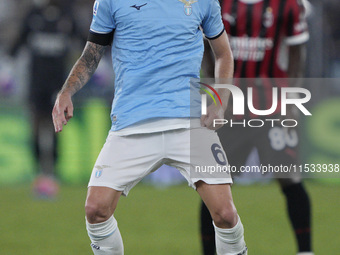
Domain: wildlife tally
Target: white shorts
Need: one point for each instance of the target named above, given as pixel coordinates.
(126, 160)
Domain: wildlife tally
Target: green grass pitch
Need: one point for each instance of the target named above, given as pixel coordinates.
(161, 221)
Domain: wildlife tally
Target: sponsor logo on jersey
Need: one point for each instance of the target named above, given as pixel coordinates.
(187, 6)
(250, 48)
(95, 8)
(138, 6)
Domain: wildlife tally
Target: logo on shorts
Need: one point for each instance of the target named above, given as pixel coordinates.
(99, 170)
(187, 6)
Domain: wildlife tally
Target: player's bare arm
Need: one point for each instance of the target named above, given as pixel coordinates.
(224, 69)
(296, 67)
(208, 63)
(78, 77)
(297, 60)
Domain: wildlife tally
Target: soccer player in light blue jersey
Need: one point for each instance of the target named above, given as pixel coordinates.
(157, 49)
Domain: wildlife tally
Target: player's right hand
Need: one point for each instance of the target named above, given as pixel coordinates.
(213, 112)
(62, 111)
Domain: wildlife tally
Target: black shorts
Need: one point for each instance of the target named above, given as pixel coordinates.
(47, 78)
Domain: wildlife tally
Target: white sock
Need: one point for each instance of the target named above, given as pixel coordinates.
(230, 241)
(105, 237)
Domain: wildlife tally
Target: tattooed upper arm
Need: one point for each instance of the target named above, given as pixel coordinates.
(84, 67)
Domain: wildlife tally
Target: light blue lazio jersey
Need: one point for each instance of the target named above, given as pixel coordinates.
(156, 50)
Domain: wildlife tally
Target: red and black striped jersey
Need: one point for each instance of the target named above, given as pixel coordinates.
(259, 31)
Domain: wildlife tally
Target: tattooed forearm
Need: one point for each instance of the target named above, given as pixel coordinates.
(84, 68)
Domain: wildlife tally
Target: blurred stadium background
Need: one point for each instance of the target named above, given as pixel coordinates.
(160, 216)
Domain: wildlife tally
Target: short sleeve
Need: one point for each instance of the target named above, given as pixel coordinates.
(212, 23)
(297, 29)
(102, 21)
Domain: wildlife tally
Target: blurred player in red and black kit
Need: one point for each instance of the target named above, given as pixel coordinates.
(46, 33)
(268, 39)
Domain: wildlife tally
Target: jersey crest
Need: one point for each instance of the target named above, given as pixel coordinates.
(268, 17)
(187, 6)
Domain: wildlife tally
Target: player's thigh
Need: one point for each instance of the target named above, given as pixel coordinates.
(125, 160)
(198, 154)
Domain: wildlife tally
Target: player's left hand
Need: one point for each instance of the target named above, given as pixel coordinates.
(213, 112)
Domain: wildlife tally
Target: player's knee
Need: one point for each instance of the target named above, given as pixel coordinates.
(225, 217)
(96, 212)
